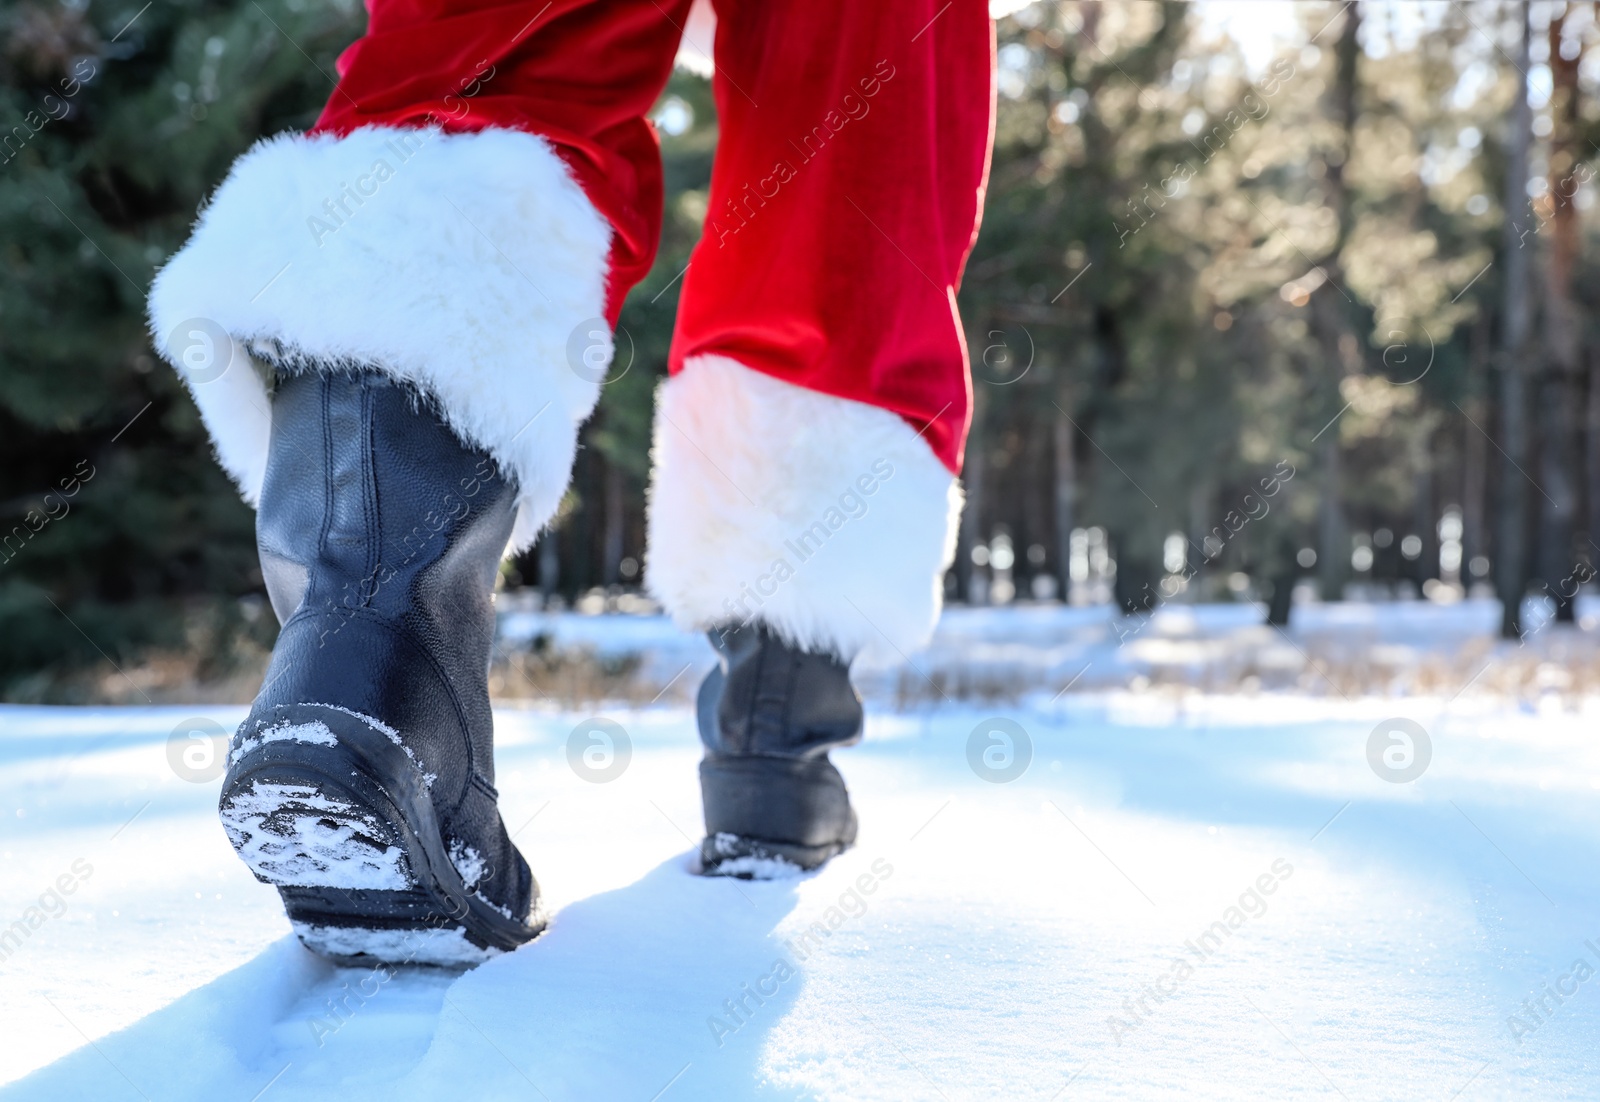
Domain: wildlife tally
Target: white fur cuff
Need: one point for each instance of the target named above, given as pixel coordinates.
(470, 265)
(829, 520)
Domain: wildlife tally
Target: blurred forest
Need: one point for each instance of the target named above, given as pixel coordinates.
(1317, 322)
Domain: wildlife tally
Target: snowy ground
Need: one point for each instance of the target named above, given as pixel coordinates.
(1344, 649)
(1019, 939)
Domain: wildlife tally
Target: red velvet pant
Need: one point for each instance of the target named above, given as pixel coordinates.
(851, 163)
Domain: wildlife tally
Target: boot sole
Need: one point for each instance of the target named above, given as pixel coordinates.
(750, 798)
(761, 859)
(325, 806)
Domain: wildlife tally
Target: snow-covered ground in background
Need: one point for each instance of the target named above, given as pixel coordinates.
(1020, 939)
(1019, 651)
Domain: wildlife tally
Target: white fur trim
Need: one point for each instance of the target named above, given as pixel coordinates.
(465, 270)
(747, 465)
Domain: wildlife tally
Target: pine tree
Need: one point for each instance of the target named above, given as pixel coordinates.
(116, 122)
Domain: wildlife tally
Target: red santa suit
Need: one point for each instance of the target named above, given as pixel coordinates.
(482, 190)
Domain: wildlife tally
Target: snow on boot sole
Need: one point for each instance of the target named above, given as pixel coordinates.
(761, 859)
(328, 807)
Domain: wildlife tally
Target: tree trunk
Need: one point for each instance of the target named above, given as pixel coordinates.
(549, 563)
(1558, 504)
(1333, 537)
(1066, 440)
(971, 530)
(1202, 493)
(1424, 517)
(1511, 569)
(1282, 572)
(612, 536)
(1474, 463)
(1592, 452)
(1038, 527)
(1134, 587)
(578, 541)
(1330, 319)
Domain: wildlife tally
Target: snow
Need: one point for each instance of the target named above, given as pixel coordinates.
(316, 733)
(1432, 939)
(1343, 649)
(295, 834)
(389, 732)
(749, 866)
(442, 947)
(469, 862)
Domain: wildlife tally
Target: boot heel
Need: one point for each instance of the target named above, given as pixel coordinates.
(771, 816)
(327, 807)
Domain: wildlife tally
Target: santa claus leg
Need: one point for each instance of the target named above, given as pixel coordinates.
(807, 440)
(480, 190)
(427, 282)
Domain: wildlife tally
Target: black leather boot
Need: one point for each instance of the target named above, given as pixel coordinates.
(362, 782)
(768, 716)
